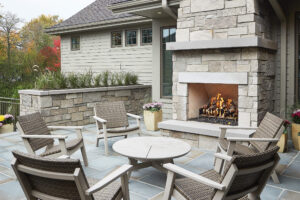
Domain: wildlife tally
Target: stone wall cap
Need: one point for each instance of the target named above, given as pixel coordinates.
(201, 128)
(223, 44)
(80, 90)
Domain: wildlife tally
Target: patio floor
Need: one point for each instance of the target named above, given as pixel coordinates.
(145, 183)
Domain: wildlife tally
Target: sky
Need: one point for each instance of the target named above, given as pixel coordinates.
(28, 9)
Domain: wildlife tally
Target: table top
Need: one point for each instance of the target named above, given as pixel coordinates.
(152, 148)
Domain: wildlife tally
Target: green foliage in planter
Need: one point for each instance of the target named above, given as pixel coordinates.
(58, 80)
(73, 81)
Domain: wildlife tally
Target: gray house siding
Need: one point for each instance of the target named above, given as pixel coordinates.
(97, 55)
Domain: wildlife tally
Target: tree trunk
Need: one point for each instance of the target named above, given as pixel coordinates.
(8, 51)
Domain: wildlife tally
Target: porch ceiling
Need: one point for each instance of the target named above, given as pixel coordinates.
(146, 8)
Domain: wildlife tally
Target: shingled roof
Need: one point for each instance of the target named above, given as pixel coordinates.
(93, 13)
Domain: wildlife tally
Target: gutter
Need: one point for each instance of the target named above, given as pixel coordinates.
(167, 9)
(283, 59)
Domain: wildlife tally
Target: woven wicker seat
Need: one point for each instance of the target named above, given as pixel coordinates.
(243, 175)
(37, 135)
(265, 137)
(112, 121)
(46, 178)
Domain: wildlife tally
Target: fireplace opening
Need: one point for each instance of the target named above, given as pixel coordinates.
(213, 103)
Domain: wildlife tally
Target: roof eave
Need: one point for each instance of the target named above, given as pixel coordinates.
(139, 5)
(98, 25)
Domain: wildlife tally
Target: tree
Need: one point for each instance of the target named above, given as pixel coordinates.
(8, 29)
(33, 33)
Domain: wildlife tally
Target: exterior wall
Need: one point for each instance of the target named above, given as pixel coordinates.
(96, 54)
(75, 107)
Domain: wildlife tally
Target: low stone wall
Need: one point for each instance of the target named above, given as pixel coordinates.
(74, 107)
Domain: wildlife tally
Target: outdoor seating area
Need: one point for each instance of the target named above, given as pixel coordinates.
(145, 166)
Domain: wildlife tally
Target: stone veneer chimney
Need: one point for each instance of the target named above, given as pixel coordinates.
(229, 37)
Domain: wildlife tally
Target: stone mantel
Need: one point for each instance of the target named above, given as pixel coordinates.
(223, 44)
(81, 90)
(213, 77)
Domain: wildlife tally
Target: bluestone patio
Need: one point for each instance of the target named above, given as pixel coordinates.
(145, 183)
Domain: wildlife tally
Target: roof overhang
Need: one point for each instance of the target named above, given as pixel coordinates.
(98, 25)
(146, 8)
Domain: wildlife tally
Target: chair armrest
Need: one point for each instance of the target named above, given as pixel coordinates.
(66, 127)
(108, 179)
(238, 127)
(103, 121)
(223, 156)
(191, 175)
(134, 116)
(64, 157)
(44, 136)
(237, 139)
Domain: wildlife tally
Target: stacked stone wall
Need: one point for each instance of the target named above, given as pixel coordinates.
(75, 107)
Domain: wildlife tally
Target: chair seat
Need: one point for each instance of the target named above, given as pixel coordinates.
(71, 144)
(239, 148)
(109, 192)
(193, 190)
(122, 130)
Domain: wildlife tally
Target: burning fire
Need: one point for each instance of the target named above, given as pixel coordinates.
(220, 107)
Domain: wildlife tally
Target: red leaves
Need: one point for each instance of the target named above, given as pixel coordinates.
(52, 56)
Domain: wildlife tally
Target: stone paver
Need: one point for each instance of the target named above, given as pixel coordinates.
(145, 183)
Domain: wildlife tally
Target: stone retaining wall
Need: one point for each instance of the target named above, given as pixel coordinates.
(74, 107)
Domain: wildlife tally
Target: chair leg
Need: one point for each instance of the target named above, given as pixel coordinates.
(275, 177)
(84, 156)
(106, 145)
(97, 142)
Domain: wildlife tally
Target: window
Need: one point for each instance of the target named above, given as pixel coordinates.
(116, 39)
(168, 35)
(147, 36)
(75, 43)
(131, 37)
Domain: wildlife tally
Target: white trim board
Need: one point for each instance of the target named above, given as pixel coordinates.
(223, 44)
(213, 77)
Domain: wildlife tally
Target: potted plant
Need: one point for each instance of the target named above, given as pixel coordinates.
(6, 123)
(296, 129)
(282, 143)
(152, 115)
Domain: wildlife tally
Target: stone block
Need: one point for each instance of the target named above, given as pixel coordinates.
(77, 116)
(206, 5)
(53, 118)
(73, 110)
(243, 90)
(249, 53)
(186, 24)
(220, 35)
(245, 102)
(82, 108)
(251, 6)
(26, 100)
(182, 35)
(229, 66)
(235, 3)
(221, 22)
(215, 66)
(67, 103)
(213, 57)
(88, 113)
(246, 18)
(197, 68)
(45, 101)
(59, 111)
(201, 35)
(123, 93)
(67, 116)
(185, 3)
(91, 97)
(182, 90)
(71, 96)
(243, 68)
(78, 100)
(238, 31)
(244, 119)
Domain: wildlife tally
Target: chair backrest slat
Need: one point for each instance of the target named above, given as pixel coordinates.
(251, 171)
(268, 128)
(113, 112)
(50, 177)
(33, 124)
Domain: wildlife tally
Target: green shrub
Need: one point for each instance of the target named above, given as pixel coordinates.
(105, 78)
(72, 80)
(85, 80)
(97, 80)
(133, 79)
(120, 78)
(60, 81)
(46, 81)
(127, 78)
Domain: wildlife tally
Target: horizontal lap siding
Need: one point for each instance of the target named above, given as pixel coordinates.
(97, 55)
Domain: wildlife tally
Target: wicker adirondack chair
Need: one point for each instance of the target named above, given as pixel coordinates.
(244, 178)
(46, 178)
(266, 136)
(36, 135)
(112, 121)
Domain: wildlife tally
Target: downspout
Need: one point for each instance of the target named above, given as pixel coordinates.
(283, 71)
(167, 9)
